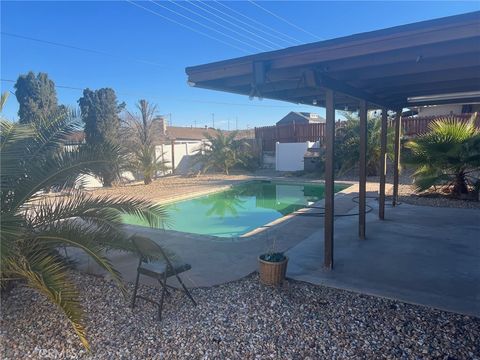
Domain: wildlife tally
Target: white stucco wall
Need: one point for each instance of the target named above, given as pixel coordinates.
(289, 156)
(183, 153)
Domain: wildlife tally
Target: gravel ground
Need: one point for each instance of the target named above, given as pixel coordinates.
(170, 187)
(406, 194)
(239, 320)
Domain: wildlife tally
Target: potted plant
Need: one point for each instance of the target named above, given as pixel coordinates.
(272, 267)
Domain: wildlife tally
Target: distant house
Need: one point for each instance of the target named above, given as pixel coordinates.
(164, 134)
(301, 118)
(181, 133)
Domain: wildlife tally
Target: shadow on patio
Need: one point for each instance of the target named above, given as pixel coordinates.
(423, 255)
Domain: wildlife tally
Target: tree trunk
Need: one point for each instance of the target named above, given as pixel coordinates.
(107, 178)
(460, 186)
(147, 180)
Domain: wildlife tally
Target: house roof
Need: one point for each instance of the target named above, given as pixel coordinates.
(192, 133)
(390, 68)
(187, 133)
(173, 133)
(301, 117)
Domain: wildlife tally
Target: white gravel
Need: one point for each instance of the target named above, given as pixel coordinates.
(239, 320)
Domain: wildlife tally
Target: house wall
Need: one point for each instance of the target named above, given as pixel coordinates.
(438, 110)
(289, 156)
(183, 152)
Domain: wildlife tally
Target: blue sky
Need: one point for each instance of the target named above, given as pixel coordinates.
(143, 55)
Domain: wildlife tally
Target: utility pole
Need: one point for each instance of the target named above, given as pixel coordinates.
(236, 122)
(213, 120)
(169, 118)
(228, 124)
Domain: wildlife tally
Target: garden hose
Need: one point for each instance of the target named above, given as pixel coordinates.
(322, 214)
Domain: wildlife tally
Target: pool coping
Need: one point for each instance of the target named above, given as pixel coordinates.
(261, 230)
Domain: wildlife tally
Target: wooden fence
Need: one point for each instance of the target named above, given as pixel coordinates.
(267, 136)
(412, 126)
(289, 133)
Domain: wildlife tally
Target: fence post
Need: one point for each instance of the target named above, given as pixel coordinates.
(173, 156)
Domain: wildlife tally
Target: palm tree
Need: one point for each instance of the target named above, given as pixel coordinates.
(35, 225)
(222, 152)
(347, 139)
(139, 132)
(447, 155)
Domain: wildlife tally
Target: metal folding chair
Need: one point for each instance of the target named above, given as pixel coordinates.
(155, 263)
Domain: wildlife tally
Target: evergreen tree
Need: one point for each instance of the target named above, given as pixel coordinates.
(36, 96)
(100, 112)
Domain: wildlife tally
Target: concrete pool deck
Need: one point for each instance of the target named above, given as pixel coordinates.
(422, 255)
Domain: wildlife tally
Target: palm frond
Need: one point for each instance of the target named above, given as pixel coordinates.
(103, 211)
(43, 273)
(86, 238)
(445, 153)
(3, 99)
(33, 226)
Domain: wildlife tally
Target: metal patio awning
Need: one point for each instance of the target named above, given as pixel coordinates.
(385, 67)
(425, 63)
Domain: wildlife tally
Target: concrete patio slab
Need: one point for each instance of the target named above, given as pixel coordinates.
(422, 255)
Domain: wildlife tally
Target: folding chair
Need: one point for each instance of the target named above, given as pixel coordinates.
(156, 264)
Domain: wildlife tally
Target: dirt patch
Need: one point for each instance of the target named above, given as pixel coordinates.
(173, 187)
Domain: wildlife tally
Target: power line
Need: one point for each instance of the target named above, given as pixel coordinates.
(188, 27)
(206, 26)
(219, 24)
(73, 47)
(284, 20)
(173, 99)
(195, 3)
(259, 23)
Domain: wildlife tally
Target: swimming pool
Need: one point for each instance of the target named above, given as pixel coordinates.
(241, 209)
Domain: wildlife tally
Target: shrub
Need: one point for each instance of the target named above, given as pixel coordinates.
(448, 155)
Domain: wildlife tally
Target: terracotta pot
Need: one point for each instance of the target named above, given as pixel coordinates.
(272, 273)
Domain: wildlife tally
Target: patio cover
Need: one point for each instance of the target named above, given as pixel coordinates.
(425, 63)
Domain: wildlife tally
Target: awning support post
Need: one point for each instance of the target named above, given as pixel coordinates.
(396, 161)
(362, 185)
(383, 165)
(329, 178)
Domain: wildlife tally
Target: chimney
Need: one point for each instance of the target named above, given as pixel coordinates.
(162, 124)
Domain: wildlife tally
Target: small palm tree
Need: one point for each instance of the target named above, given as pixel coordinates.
(347, 149)
(35, 225)
(222, 152)
(446, 155)
(139, 132)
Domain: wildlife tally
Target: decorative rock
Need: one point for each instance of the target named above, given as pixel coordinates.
(238, 320)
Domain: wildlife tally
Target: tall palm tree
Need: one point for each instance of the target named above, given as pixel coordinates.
(447, 155)
(34, 225)
(222, 152)
(139, 132)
